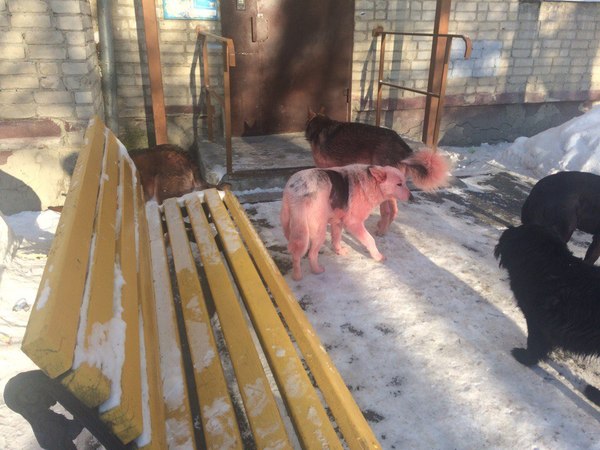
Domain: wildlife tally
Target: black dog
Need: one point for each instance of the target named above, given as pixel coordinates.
(557, 292)
(567, 201)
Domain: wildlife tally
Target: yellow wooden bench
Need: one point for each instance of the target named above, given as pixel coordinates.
(171, 327)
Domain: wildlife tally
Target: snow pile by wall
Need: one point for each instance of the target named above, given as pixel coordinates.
(574, 145)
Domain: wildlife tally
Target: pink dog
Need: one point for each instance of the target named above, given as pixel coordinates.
(341, 196)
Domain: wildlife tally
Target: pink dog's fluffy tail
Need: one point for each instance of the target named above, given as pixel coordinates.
(428, 169)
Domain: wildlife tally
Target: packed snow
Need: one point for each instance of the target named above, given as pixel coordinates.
(423, 339)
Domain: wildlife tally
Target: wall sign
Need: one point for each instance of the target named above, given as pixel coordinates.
(191, 9)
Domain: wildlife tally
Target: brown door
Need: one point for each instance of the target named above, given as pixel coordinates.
(291, 55)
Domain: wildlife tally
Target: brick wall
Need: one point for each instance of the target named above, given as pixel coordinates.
(523, 52)
(49, 88)
(180, 70)
(529, 60)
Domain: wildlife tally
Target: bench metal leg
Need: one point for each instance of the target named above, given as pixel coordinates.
(32, 393)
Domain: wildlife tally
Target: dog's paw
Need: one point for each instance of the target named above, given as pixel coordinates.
(592, 393)
(379, 257)
(524, 356)
(342, 251)
(381, 232)
(317, 269)
(382, 227)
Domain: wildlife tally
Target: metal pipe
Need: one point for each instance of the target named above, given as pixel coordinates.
(436, 68)
(225, 101)
(379, 31)
(380, 77)
(157, 93)
(437, 77)
(417, 91)
(107, 65)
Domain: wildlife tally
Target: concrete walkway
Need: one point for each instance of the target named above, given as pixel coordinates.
(259, 162)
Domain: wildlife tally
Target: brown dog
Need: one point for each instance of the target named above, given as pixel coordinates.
(167, 171)
(342, 197)
(336, 144)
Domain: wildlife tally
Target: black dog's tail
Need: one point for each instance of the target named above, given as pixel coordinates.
(428, 169)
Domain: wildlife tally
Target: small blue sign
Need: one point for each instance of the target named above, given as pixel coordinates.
(191, 9)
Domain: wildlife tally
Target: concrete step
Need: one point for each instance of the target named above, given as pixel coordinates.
(259, 162)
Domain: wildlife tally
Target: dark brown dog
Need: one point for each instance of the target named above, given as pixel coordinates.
(335, 144)
(564, 202)
(167, 171)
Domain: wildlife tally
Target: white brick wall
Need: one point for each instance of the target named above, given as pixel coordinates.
(49, 82)
(543, 50)
(45, 43)
(548, 50)
(522, 52)
(177, 47)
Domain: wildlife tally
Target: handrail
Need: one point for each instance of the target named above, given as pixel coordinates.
(225, 99)
(379, 31)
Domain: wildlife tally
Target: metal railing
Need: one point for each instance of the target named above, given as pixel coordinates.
(211, 92)
(430, 137)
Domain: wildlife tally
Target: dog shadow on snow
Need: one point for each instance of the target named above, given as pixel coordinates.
(434, 307)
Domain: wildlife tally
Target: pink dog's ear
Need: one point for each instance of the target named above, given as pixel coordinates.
(378, 173)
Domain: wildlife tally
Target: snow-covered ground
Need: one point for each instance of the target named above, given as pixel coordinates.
(422, 339)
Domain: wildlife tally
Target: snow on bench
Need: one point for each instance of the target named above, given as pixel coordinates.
(169, 326)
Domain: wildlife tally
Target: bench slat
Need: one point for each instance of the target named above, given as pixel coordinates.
(179, 422)
(94, 358)
(353, 425)
(59, 297)
(123, 411)
(154, 433)
(217, 413)
(263, 415)
(310, 418)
